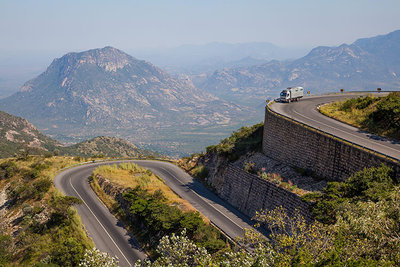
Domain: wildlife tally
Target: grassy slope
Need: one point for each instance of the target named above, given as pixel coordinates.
(38, 227)
(379, 115)
(131, 175)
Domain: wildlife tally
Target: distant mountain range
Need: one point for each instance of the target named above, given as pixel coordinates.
(364, 65)
(196, 59)
(108, 92)
(17, 135)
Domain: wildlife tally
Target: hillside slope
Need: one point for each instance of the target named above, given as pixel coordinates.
(37, 224)
(19, 136)
(364, 65)
(17, 133)
(108, 92)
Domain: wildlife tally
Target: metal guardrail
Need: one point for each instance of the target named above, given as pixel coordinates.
(369, 150)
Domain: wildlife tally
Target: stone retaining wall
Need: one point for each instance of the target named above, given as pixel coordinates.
(299, 145)
(250, 193)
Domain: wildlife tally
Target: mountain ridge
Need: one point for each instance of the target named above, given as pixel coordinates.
(365, 64)
(108, 92)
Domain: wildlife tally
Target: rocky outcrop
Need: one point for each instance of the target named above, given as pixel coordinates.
(115, 192)
(109, 188)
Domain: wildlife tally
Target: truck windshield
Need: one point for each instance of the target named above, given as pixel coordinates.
(283, 94)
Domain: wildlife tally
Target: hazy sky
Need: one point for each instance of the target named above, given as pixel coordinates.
(79, 25)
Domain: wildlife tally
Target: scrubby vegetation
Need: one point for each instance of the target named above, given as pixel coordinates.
(364, 210)
(155, 218)
(37, 223)
(244, 140)
(380, 115)
(154, 210)
(358, 225)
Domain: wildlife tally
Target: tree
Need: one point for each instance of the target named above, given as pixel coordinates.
(179, 250)
(96, 258)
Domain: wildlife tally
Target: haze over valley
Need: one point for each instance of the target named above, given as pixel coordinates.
(106, 91)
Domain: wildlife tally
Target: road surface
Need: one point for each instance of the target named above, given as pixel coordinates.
(306, 111)
(108, 233)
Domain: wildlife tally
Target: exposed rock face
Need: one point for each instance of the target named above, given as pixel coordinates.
(108, 92)
(109, 188)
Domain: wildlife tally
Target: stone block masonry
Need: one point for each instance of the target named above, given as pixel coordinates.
(332, 158)
(250, 193)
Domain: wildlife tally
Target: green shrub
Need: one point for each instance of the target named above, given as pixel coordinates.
(349, 104)
(8, 169)
(67, 251)
(61, 208)
(386, 117)
(191, 221)
(6, 245)
(156, 218)
(41, 187)
(240, 142)
(372, 184)
(200, 172)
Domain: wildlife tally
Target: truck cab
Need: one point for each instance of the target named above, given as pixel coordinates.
(285, 96)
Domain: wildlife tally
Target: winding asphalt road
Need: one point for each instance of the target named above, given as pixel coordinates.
(306, 111)
(108, 233)
(110, 236)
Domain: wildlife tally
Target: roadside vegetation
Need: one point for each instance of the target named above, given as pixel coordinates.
(379, 115)
(153, 210)
(357, 224)
(37, 223)
(240, 142)
(246, 139)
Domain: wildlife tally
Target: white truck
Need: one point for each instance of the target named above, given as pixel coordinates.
(291, 94)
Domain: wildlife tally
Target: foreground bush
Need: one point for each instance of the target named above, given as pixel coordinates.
(156, 218)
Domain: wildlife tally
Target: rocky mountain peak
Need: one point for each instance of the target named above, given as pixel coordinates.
(108, 92)
(108, 58)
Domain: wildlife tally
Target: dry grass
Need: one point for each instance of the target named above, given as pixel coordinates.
(131, 175)
(279, 181)
(355, 117)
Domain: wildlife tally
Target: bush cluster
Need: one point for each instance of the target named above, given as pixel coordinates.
(200, 172)
(364, 212)
(28, 183)
(386, 117)
(358, 103)
(240, 142)
(373, 184)
(8, 169)
(383, 113)
(155, 217)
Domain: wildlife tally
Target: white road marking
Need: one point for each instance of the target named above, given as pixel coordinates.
(203, 199)
(100, 223)
(368, 140)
